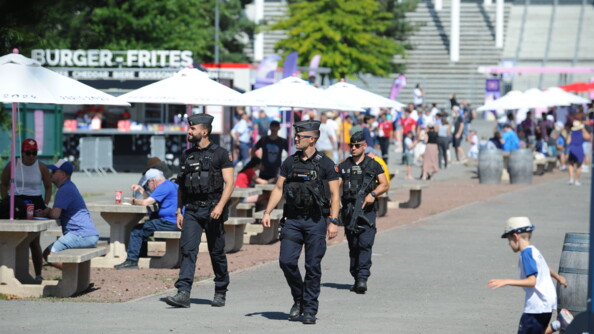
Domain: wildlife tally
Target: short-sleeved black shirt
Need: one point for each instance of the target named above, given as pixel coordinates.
(327, 168)
(272, 151)
(220, 161)
(345, 166)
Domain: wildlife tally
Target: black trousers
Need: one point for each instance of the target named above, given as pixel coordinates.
(196, 221)
(294, 234)
(360, 249)
(443, 144)
(384, 147)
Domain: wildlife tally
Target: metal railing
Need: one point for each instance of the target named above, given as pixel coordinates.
(96, 154)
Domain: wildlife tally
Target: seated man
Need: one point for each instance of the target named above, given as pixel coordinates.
(69, 206)
(164, 193)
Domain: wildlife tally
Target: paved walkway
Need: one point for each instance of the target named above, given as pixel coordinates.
(429, 276)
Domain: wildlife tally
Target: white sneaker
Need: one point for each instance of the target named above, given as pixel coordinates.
(563, 167)
(570, 182)
(578, 183)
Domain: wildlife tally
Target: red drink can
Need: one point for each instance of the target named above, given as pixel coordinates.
(30, 210)
(118, 197)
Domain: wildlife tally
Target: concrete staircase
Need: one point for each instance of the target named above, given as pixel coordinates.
(428, 63)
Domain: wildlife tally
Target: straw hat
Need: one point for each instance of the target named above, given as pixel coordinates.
(517, 225)
(577, 125)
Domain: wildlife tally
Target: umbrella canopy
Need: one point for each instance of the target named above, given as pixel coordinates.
(535, 94)
(578, 87)
(294, 93)
(190, 87)
(24, 80)
(564, 97)
(513, 100)
(355, 96)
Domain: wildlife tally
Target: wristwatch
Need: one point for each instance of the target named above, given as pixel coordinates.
(333, 220)
(373, 194)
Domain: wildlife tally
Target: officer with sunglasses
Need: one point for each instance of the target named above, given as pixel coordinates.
(309, 182)
(362, 180)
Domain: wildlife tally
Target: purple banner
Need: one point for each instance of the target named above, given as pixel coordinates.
(290, 65)
(315, 62)
(266, 70)
(492, 89)
(38, 116)
(398, 84)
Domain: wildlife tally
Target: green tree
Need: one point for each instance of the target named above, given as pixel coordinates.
(127, 24)
(352, 36)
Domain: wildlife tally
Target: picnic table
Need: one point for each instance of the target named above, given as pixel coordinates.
(121, 219)
(15, 237)
(238, 195)
(267, 189)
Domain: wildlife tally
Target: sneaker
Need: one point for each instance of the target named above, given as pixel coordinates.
(128, 264)
(181, 299)
(218, 300)
(563, 168)
(578, 183)
(570, 182)
(565, 318)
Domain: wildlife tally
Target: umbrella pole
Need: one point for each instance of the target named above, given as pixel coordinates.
(189, 113)
(289, 131)
(12, 160)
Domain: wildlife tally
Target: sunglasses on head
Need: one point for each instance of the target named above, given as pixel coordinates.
(355, 145)
(30, 153)
(301, 136)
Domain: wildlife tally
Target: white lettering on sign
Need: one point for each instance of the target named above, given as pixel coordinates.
(109, 58)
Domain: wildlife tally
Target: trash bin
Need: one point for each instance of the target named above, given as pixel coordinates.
(490, 166)
(520, 166)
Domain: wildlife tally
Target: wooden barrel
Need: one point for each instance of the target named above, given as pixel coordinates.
(520, 166)
(490, 166)
(574, 267)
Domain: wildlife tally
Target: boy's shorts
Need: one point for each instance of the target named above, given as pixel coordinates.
(531, 323)
(409, 158)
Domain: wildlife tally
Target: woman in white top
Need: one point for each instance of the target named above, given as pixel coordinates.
(32, 179)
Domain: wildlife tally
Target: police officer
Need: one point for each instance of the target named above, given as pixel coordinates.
(205, 185)
(309, 182)
(362, 180)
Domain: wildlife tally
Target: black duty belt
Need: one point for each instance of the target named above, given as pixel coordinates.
(196, 205)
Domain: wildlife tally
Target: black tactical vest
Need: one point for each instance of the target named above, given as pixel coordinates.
(303, 189)
(199, 176)
(355, 177)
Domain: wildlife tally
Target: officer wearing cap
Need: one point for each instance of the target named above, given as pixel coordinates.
(309, 182)
(362, 180)
(205, 185)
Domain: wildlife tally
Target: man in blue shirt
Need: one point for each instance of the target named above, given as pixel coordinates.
(163, 194)
(69, 206)
(510, 139)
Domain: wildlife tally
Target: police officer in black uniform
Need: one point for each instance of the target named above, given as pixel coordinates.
(206, 182)
(309, 182)
(362, 180)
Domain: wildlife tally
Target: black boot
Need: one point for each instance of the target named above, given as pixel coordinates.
(361, 286)
(295, 311)
(128, 264)
(218, 300)
(309, 319)
(181, 299)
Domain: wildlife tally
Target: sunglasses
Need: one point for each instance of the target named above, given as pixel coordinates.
(300, 136)
(30, 153)
(355, 145)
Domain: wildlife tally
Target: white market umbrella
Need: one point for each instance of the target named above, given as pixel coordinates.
(24, 80)
(292, 92)
(355, 96)
(512, 100)
(564, 98)
(535, 94)
(190, 87)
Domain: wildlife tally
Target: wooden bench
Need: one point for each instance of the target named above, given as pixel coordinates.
(245, 209)
(539, 166)
(76, 272)
(414, 200)
(382, 204)
(551, 164)
(257, 234)
(172, 256)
